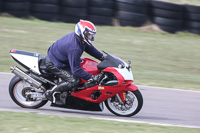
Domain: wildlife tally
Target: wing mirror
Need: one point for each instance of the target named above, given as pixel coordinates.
(129, 65)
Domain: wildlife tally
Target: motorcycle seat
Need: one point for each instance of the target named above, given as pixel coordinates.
(42, 66)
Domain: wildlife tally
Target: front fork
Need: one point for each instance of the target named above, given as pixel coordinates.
(121, 96)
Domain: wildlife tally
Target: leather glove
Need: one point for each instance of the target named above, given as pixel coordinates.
(96, 78)
(102, 58)
(93, 81)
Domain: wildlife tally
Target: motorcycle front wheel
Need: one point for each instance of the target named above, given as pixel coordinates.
(132, 105)
(17, 93)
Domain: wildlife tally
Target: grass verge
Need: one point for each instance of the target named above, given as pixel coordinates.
(158, 59)
(12, 122)
(191, 2)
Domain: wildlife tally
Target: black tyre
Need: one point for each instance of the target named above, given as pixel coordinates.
(45, 8)
(194, 31)
(72, 11)
(130, 23)
(192, 9)
(0, 5)
(45, 1)
(134, 102)
(192, 25)
(19, 6)
(169, 29)
(168, 22)
(75, 3)
(71, 19)
(167, 14)
(16, 93)
(16, 0)
(100, 20)
(131, 8)
(192, 16)
(101, 3)
(167, 5)
(143, 3)
(23, 14)
(130, 16)
(46, 16)
(100, 11)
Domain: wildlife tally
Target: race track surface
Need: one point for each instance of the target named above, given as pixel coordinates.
(161, 105)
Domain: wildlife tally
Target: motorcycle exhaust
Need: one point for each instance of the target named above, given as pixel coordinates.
(26, 77)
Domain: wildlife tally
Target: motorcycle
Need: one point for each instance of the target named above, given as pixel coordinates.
(121, 97)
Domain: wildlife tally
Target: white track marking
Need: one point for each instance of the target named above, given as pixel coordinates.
(172, 89)
(151, 123)
(110, 119)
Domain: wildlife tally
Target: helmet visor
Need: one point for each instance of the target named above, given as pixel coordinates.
(90, 35)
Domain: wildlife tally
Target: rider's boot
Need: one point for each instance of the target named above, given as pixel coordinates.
(57, 89)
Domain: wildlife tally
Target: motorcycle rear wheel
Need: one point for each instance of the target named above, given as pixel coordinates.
(15, 91)
(132, 105)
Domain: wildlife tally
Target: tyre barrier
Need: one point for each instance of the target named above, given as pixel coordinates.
(18, 8)
(192, 19)
(170, 17)
(132, 12)
(0, 6)
(101, 12)
(45, 9)
(73, 10)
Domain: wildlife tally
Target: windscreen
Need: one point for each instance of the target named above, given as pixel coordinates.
(110, 61)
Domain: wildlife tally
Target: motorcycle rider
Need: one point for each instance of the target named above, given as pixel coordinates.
(63, 59)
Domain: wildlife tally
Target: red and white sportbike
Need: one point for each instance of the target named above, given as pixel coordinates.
(116, 89)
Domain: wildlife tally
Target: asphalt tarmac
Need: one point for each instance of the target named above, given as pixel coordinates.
(161, 106)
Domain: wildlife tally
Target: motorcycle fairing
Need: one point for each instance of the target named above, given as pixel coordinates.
(120, 65)
(89, 65)
(77, 103)
(127, 74)
(28, 60)
(131, 87)
(114, 71)
(106, 91)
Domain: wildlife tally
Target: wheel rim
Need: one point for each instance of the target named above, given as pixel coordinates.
(20, 98)
(129, 107)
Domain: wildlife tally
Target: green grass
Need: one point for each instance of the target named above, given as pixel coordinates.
(191, 2)
(158, 59)
(11, 122)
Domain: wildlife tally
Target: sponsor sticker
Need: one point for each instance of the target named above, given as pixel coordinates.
(100, 88)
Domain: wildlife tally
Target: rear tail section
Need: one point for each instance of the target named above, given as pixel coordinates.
(26, 59)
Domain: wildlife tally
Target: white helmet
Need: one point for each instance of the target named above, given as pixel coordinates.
(86, 31)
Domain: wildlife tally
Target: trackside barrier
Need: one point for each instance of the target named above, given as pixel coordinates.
(170, 17)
